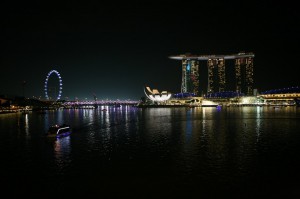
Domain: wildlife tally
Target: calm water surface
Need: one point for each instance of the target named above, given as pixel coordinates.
(244, 152)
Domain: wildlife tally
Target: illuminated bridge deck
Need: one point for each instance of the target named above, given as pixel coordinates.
(285, 93)
(100, 103)
(281, 96)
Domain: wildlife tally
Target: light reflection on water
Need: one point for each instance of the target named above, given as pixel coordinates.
(198, 149)
(62, 152)
(26, 125)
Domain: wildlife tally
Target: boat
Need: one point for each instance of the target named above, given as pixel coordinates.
(59, 131)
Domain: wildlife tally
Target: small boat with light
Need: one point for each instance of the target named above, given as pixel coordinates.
(59, 131)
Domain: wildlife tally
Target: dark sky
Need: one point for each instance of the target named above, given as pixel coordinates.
(114, 49)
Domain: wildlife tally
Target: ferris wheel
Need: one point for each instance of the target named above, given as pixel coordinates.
(46, 84)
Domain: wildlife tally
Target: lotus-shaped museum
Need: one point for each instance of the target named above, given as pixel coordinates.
(156, 96)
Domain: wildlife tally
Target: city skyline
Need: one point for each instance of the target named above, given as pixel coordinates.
(113, 51)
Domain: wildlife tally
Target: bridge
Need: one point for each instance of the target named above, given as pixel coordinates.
(281, 94)
(100, 103)
(286, 96)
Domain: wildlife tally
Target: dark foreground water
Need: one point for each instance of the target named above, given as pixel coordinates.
(244, 152)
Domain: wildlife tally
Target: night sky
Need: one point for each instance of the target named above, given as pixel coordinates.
(114, 49)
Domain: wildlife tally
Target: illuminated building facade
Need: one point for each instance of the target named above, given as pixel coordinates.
(216, 75)
(157, 96)
(190, 76)
(244, 75)
(217, 81)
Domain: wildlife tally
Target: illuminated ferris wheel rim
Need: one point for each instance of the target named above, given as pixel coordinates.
(46, 84)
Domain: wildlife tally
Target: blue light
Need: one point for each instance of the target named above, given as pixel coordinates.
(188, 67)
(63, 134)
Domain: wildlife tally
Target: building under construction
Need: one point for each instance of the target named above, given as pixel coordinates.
(217, 80)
